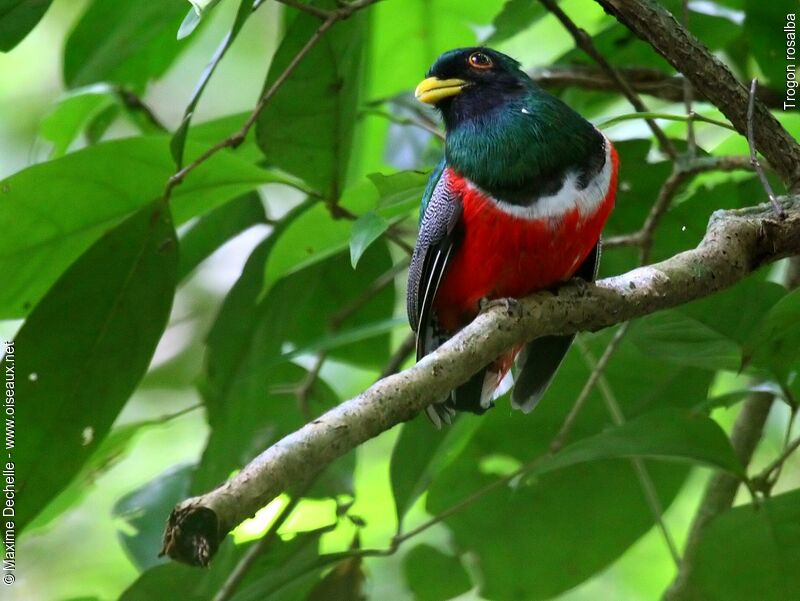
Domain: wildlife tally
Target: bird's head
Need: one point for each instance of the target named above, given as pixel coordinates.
(468, 82)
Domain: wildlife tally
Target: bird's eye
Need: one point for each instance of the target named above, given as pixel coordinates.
(479, 60)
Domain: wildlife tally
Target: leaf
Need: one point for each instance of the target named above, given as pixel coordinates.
(421, 453)
(53, 211)
(763, 24)
(278, 574)
(555, 520)
(217, 227)
(775, 342)
(143, 510)
(195, 14)
(250, 387)
(307, 127)
(178, 143)
(516, 16)
(316, 235)
(69, 117)
(84, 348)
(128, 43)
(345, 582)
(111, 450)
(661, 434)
(708, 333)
(366, 229)
(433, 576)
(674, 336)
(18, 18)
(750, 553)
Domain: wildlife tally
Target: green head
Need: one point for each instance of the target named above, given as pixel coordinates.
(467, 83)
(504, 132)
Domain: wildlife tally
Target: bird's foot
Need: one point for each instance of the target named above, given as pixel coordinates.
(511, 305)
(580, 285)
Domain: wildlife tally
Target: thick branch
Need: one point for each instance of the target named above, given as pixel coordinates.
(736, 243)
(711, 78)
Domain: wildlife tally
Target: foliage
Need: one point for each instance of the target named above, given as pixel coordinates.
(326, 186)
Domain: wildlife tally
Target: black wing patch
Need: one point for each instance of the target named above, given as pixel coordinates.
(438, 240)
(540, 359)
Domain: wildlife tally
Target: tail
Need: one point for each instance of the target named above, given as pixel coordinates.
(476, 395)
(538, 363)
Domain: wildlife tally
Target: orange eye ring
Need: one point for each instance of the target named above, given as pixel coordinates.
(479, 60)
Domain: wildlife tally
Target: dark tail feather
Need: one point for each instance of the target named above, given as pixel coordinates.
(538, 363)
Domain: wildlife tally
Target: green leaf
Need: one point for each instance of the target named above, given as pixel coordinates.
(195, 14)
(178, 143)
(550, 519)
(142, 511)
(316, 235)
(399, 193)
(112, 450)
(433, 576)
(18, 18)
(763, 27)
(750, 553)
(708, 333)
(661, 434)
(276, 575)
(217, 227)
(69, 117)
(53, 211)
(674, 336)
(84, 348)
(366, 229)
(421, 453)
(250, 387)
(127, 43)
(307, 128)
(516, 16)
(775, 342)
(345, 582)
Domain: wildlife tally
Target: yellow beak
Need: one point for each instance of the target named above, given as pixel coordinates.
(433, 89)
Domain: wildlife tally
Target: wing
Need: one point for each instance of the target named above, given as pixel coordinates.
(436, 245)
(540, 359)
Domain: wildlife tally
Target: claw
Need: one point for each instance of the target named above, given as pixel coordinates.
(511, 305)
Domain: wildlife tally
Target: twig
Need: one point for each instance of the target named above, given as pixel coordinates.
(754, 158)
(235, 578)
(399, 356)
(681, 172)
(645, 481)
(721, 488)
(691, 145)
(238, 137)
(135, 104)
(381, 283)
(642, 80)
(431, 129)
(584, 42)
(320, 13)
(765, 480)
(560, 439)
(303, 391)
(690, 118)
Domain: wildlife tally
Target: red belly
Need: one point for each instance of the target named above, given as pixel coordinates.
(506, 256)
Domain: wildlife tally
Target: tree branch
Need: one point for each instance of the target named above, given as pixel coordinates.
(711, 78)
(584, 42)
(643, 80)
(736, 243)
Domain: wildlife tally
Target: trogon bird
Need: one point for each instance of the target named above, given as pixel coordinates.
(516, 205)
